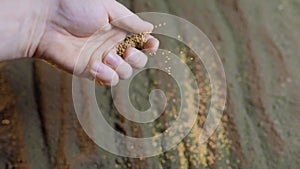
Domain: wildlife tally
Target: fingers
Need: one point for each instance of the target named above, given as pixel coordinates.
(122, 68)
(123, 18)
(117, 63)
(132, 58)
(135, 58)
(151, 44)
(104, 74)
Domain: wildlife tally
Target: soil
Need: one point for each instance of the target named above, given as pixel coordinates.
(258, 42)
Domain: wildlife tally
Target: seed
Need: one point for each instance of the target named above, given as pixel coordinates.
(135, 41)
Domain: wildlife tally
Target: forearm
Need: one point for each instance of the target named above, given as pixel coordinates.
(22, 23)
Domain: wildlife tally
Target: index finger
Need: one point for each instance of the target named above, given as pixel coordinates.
(123, 18)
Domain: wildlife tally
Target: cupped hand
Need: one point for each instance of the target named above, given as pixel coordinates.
(81, 37)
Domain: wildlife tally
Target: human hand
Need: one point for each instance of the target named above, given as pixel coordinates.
(71, 23)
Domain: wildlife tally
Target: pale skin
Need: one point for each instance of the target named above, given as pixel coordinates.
(57, 30)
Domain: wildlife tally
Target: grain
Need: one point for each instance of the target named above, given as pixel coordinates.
(135, 41)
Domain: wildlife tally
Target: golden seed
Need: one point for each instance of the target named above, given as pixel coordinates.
(135, 41)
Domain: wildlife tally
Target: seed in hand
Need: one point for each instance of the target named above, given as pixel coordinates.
(136, 41)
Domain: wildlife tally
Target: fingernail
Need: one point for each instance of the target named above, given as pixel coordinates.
(133, 58)
(113, 60)
(97, 67)
(149, 25)
(152, 45)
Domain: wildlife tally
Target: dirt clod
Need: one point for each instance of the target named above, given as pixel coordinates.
(5, 122)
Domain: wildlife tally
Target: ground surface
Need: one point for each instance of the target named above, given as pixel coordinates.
(258, 42)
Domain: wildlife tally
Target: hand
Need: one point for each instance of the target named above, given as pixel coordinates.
(71, 23)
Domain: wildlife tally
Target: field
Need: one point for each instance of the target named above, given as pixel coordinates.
(259, 45)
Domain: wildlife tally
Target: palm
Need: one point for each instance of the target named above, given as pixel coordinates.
(73, 23)
(81, 18)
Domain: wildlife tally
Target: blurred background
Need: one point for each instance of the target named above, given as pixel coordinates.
(258, 42)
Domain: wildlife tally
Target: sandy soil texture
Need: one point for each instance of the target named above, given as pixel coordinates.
(258, 42)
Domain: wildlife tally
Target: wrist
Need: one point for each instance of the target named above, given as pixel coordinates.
(23, 24)
(40, 12)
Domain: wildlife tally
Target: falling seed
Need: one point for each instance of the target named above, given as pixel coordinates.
(164, 23)
(155, 26)
(178, 36)
(159, 25)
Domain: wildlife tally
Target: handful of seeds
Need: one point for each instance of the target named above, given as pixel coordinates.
(136, 41)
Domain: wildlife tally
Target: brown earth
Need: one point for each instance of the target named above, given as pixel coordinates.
(258, 42)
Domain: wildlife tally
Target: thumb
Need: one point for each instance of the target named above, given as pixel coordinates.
(123, 18)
